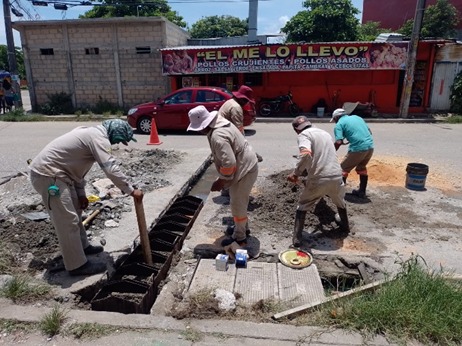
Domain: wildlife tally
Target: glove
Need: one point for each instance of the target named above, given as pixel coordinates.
(292, 178)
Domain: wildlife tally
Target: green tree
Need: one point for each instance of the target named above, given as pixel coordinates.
(323, 21)
(126, 8)
(19, 60)
(456, 94)
(370, 30)
(440, 21)
(219, 26)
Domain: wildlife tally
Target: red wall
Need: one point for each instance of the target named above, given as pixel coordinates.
(337, 87)
(392, 14)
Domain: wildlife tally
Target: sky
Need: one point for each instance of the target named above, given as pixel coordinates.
(272, 14)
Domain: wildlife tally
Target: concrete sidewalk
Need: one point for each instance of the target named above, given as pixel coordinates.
(383, 118)
(155, 330)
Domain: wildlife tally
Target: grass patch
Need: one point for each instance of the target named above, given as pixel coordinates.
(18, 115)
(52, 322)
(24, 289)
(192, 334)
(454, 119)
(417, 305)
(12, 326)
(90, 330)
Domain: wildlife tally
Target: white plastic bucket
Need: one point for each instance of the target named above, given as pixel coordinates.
(320, 112)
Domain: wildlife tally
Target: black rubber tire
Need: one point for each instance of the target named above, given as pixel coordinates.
(265, 109)
(144, 125)
(294, 110)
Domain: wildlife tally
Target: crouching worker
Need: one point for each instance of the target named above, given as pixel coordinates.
(235, 161)
(57, 174)
(317, 162)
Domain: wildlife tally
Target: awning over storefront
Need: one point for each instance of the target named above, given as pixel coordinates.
(280, 57)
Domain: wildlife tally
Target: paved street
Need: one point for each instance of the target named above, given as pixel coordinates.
(437, 145)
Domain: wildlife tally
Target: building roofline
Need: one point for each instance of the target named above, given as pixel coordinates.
(87, 21)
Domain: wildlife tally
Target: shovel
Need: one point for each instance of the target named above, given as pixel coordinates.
(144, 239)
(102, 205)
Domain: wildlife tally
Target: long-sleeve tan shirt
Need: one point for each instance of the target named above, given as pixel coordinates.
(317, 155)
(232, 154)
(232, 111)
(70, 157)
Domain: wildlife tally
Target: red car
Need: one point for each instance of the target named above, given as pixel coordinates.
(171, 112)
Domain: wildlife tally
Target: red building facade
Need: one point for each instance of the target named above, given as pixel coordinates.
(333, 72)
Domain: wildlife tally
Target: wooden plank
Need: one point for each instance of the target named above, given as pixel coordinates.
(307, 307)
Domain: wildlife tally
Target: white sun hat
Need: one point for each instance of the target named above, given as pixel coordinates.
(200, 118)
(337, 114)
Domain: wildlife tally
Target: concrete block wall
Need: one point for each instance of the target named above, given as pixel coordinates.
(125, 71)
(50, 72)
(175, 36)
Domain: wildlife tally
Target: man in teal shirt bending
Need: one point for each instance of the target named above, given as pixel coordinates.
(361, 146)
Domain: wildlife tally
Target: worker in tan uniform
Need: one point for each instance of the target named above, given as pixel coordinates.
(57, 174)
(235, 162)
(321, 172)
(233, 109)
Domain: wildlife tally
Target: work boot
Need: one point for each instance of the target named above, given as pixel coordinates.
(229, 241)
(342, 220)
(89, 268)
(93, 249)
(297, 238)
(361, 192)
(230, 230)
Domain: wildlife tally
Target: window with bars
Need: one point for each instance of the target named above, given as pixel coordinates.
(47, 51)
(92, 51)
(143, 50)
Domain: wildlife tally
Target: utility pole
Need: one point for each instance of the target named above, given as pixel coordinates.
(411, 59)
(11, 51)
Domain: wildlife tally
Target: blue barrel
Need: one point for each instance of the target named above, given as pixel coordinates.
(416, 176)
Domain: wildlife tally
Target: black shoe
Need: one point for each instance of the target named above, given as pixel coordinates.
(230, 231)
(229, 241)
(93, 249)
(359, 193)
(259, 158)
(89, 268)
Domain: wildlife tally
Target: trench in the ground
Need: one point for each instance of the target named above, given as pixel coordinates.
(133, 286)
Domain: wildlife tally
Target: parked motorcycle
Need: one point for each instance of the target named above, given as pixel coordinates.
(270, 106)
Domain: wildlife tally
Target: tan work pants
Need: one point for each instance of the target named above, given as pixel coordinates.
(66, 216)
(315, 190)
(239, 194)
(357, 160)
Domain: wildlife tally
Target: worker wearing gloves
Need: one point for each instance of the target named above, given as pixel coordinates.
(57, 174)
(235, 162)
(360, 149)
(322, 175)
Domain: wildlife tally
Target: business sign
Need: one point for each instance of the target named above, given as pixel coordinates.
(291, 57)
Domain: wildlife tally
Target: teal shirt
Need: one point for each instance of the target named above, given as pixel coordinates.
(355, 130)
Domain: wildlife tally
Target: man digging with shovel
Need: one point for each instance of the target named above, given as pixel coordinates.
(322, 175)
(236, 164)
(57, 174)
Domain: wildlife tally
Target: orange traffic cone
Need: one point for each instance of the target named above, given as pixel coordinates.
(154, 137)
